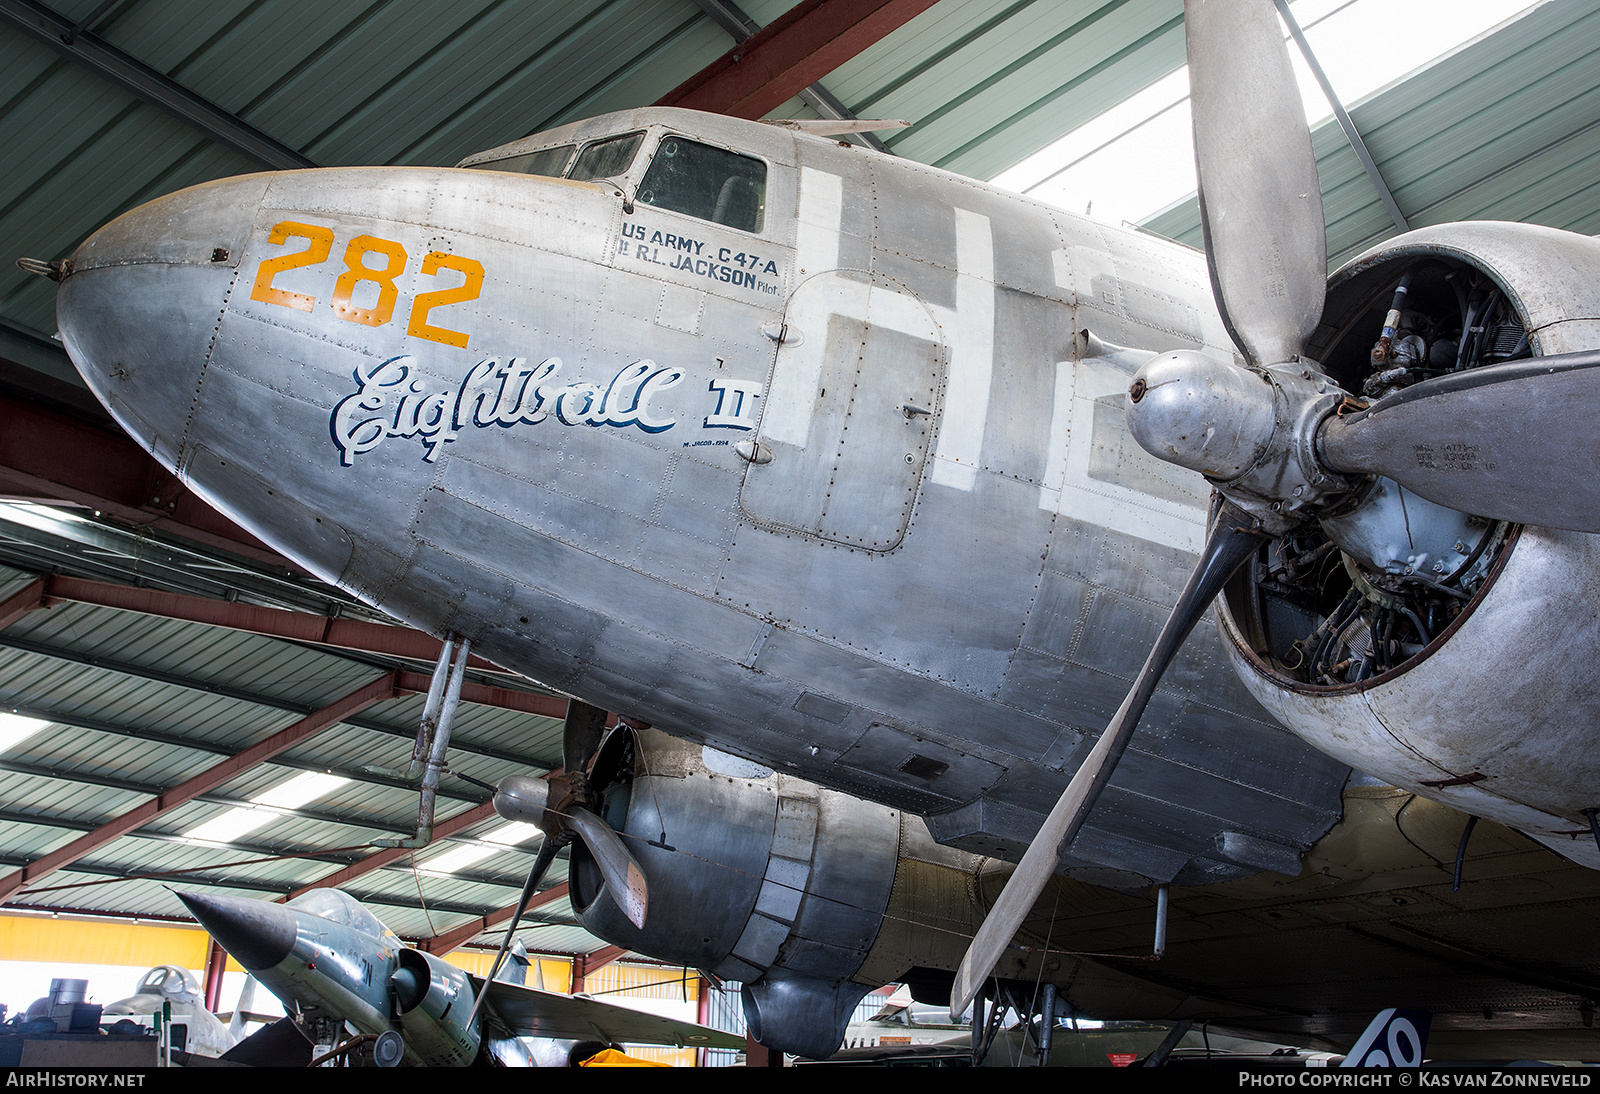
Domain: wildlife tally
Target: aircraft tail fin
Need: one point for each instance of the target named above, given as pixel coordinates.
(1395, 1038)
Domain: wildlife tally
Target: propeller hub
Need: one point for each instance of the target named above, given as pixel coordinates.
(1251, 432)
(1198, 412)
(522, 798)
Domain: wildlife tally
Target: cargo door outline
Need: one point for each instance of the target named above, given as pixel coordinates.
(852, 409)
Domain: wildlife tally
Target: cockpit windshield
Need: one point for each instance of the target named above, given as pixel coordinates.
(547, 161)
(339, 907)
(706, 182)
(685, 176)
(608, 157)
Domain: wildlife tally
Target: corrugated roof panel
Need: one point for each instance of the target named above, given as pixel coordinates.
(111, 152)
(1040, 74)
(970, 37)
(1559, 198)
(543, 67)
(206, 655)
(528, 735)
(69, 690)
(645, 55)
(298, 74)
(494, 83)
(29, 841)
(92, 891)
(81, 754)
(414, 116)
(59, 797)
(19, 838)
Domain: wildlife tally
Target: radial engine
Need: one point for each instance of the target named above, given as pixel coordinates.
(1437, 649)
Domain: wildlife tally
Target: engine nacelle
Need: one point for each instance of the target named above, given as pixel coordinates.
(432, 999)
(1441, 652)
(772, 881)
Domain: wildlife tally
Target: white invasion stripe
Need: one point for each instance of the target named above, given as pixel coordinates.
(966, 403)
(820, 216)
(795, 379)
(798, 371)
(897, 312)
(1068, 488)
(786, 417)
(1055, 465)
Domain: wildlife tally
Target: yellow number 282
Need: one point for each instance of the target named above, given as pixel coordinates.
(367, 258)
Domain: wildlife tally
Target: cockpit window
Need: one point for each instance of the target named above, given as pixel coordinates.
(606, 159)
(705, 182)
(546, 161)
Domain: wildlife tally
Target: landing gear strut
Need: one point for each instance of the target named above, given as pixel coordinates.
(1036, 1005)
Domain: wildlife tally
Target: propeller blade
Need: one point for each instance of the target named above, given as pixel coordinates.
(618, 867)
(541, 865)
(1503, 441)
(581, 734)
(1260, 203)
(1231, 542)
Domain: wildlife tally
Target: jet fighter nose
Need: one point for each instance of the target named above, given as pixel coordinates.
(258, 934)
(142, 300)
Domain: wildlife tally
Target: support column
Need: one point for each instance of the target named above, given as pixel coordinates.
(216, 965)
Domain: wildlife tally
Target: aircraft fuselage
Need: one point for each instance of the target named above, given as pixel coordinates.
(847, 489)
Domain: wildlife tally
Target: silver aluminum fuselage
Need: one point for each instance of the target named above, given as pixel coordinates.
(851, 495)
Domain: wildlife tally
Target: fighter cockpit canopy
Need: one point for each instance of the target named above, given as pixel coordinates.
(339, 907)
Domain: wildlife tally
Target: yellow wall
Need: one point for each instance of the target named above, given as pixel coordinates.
(98, 942)
(143, 945)
(557, 972)
(643, 982)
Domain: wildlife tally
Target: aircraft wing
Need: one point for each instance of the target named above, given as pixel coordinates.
(529, 1012)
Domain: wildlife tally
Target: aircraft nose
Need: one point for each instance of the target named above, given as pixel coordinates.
(259, 934)
(142, 301)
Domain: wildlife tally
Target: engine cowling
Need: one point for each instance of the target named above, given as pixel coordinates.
(774, 882)
(1444, 653)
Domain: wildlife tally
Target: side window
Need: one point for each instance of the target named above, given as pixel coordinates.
(710, 183)
(546, 161)
(605, 159)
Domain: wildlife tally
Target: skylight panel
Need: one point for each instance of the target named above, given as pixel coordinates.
(1138, 157)
(14, 729)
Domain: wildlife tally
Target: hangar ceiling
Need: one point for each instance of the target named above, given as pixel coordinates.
(105, 104)
(1505, 128)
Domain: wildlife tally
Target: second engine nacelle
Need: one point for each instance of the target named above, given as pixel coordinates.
(772, 881)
